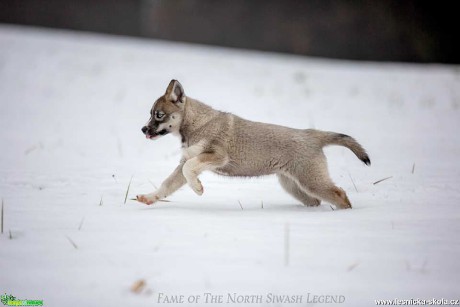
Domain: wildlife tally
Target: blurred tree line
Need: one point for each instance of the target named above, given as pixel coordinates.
(378, 30)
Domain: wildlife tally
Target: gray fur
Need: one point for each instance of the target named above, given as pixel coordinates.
(230, 145)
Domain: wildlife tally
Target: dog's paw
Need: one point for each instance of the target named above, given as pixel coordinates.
(147, 199)
(197, 187)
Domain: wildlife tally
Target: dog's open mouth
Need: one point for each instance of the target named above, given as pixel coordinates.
(156, 134)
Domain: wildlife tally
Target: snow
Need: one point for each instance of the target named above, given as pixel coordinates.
(73, 104)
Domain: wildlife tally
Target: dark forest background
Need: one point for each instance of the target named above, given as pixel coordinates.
(386, 30)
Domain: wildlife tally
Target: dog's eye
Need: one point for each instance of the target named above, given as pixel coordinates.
(159, 114)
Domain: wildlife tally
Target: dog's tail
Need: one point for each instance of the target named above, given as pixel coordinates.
(332, 138)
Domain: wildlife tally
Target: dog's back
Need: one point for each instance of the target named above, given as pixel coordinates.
(256, 148)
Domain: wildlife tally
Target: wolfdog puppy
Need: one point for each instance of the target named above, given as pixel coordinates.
(229, 145)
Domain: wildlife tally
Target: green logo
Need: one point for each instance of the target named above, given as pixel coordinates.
(9, 300)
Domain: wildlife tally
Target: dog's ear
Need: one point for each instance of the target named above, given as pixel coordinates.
(175, 92)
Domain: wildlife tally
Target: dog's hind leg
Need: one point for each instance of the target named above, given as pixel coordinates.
(293, 188)
(195, 166)
(313, 178)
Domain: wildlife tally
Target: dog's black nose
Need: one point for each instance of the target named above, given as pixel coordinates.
(144, 129)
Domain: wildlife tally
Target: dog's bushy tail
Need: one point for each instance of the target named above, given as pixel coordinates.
(332, 138)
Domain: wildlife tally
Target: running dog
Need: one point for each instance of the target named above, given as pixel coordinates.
(229, 145)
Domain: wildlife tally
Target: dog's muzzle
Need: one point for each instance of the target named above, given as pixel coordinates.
(149, 134)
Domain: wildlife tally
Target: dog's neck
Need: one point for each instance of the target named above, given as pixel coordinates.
(196, 115)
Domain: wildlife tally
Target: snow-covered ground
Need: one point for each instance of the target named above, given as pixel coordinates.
(71, 109)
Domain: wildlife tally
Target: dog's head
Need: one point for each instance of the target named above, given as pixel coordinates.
(167, 112)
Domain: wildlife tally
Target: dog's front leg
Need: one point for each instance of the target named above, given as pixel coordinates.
(169, 186)
(195, 166)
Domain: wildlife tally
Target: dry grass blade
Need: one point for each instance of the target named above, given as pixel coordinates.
(353, 182)
(378, 181)
(101, 202)
(286, 244)
(72, 242)
(161, 200)
(352, 266)
(138, 286)
(262, 203)
(127, 190)
(240, 205)
(332, 208)
(413, 168)
(153, 184)
(81, 223)
(11, 236)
